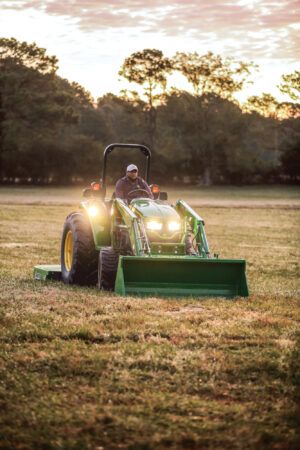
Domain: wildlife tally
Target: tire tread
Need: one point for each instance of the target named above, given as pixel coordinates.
(85, 257)
(107, 268)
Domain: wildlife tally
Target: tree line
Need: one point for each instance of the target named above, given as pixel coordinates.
(52, 131)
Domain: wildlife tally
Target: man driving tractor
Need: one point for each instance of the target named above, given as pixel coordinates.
(126, 188)
(131, 182)
(144, 247)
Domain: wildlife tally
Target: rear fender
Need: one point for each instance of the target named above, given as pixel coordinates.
(99, 218)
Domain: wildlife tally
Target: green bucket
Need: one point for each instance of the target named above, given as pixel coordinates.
(181, 276)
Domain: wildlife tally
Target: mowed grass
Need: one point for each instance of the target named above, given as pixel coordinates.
(83, 369)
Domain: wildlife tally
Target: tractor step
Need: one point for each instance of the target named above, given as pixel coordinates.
(47, 272)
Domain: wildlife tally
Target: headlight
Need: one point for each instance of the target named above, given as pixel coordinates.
(154, 225)
(93, 211)
(174, 226)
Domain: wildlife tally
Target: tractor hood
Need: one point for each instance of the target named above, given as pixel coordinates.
(154, 209)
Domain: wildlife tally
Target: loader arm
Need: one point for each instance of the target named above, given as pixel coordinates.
(196, 223)
(135, 227)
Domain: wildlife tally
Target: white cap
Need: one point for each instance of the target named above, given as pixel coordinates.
(131, 167)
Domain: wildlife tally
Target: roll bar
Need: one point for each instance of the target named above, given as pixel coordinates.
(145, 150)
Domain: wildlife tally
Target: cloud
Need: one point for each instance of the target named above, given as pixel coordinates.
(260, 27)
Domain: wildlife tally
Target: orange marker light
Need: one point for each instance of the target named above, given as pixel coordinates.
(96, 186)
(155, 189)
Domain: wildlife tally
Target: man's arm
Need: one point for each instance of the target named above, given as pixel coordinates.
(146, 187)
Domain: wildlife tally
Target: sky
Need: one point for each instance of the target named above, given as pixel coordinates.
(91, 38)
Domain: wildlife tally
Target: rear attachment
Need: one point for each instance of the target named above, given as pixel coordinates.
(49, 272)
(181, 276)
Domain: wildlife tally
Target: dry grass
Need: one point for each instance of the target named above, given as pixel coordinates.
(81, 369)
(248, 197)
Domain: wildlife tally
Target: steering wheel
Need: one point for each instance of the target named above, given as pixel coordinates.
(137, 193)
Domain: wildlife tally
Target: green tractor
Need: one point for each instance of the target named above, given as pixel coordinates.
(144, 247)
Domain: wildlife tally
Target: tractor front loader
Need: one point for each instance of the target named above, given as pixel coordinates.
(143, 247)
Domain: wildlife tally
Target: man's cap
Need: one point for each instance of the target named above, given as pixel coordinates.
(131, 167)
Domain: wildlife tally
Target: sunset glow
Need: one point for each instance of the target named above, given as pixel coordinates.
(92, 38)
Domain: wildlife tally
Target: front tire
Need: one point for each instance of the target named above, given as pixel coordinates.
(107, 268)
(79, 258)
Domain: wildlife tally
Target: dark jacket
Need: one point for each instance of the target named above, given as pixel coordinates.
(126, 185)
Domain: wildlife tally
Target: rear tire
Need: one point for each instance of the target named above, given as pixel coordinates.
(79, 258)
(107, 268)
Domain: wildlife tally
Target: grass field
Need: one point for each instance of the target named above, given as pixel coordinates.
(82, 369)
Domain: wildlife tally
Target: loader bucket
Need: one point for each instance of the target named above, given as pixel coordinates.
(181, 276)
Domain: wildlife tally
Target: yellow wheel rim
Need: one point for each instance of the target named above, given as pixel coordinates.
(68, 253)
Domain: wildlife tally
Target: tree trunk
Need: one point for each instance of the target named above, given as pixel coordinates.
(207, 177)
(152, 126)
(151, 118)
